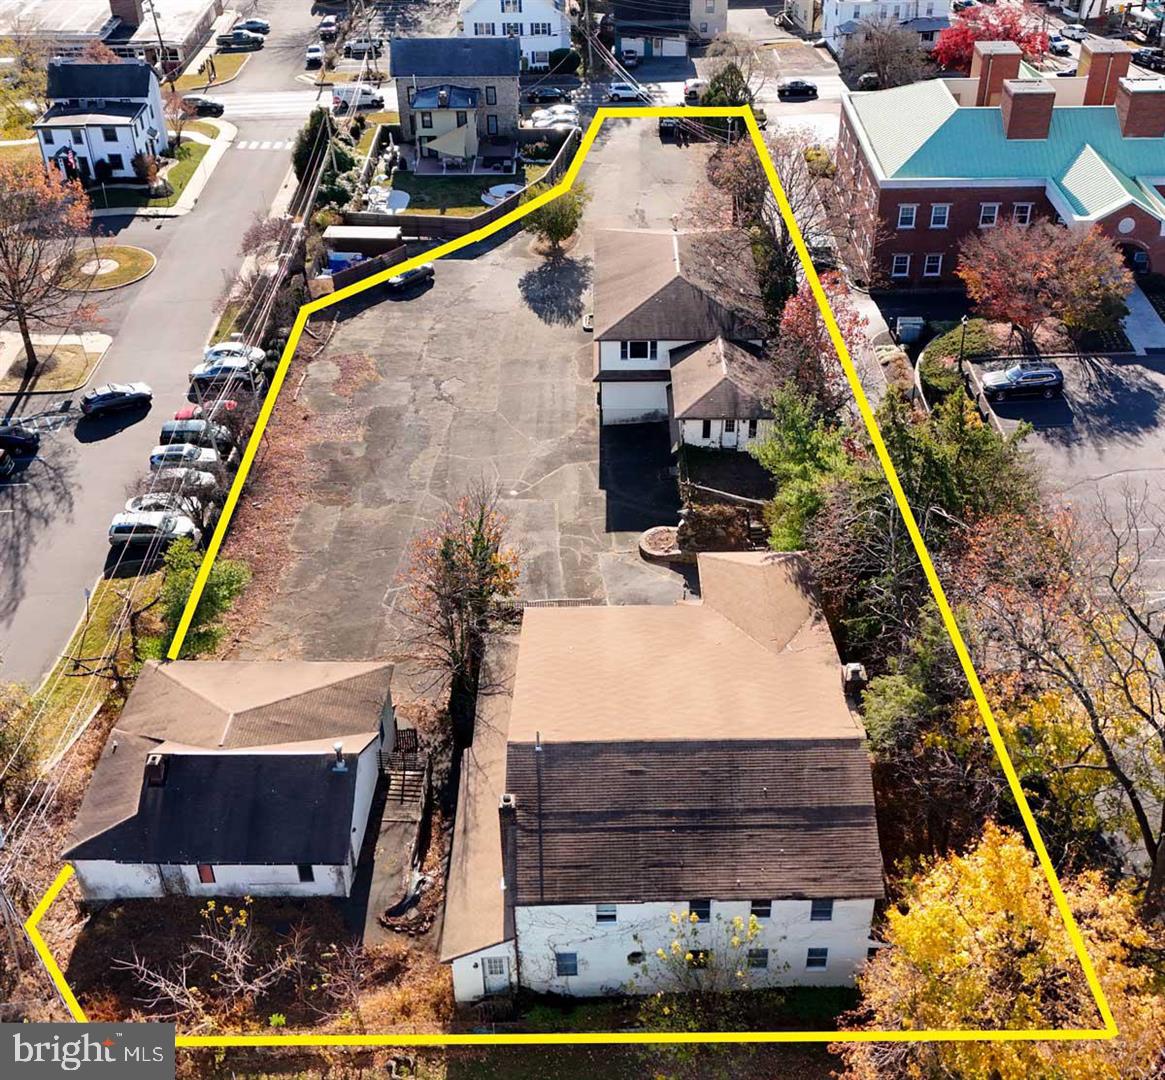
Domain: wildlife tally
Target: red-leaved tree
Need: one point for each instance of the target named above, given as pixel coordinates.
(989, 22)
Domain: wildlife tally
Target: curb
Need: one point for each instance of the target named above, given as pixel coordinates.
(124, 284)
(217, 82)
(62, 390)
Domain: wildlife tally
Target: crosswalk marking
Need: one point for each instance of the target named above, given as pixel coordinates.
(255, 144)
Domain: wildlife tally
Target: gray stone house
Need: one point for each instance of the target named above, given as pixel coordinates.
(458, 98)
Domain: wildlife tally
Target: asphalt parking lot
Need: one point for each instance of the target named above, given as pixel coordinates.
(486, 372)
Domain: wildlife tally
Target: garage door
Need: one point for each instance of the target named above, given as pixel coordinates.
(633, 402)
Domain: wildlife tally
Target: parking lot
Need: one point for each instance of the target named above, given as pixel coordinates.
(485, 372)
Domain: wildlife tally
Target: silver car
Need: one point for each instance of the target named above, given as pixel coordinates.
(186, 455)
(152, 526)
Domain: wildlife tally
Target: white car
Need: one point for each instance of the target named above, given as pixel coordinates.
(1075, 32)
(556, 112)
(152, 526)
(314, 55)
(186, 455)
(228, 349)
(162, 501)
(194, 481)
(563, 122)
(622, 91)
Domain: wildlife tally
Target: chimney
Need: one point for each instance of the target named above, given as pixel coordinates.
(508, 820)
(339, 764)
(128, 11)
(1027, 108)
(155, 769)
(1103, 63)
(1140, 108)
(442, 98)
(991, 63)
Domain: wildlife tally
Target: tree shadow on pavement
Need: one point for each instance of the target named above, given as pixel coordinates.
(1109, 399)
(554, 290)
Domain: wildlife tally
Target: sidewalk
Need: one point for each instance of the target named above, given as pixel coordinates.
(1142, 325)
(93, 345)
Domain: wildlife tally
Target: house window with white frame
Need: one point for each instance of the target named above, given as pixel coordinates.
(512, 29)
(907, 214)
(758, 958)
(940, 215)
(1021, 213)
(821, 910)
(701, 909)
(932, 266)
(541, 29)
(426, 119)
(988, 215)
(638, 350)
(817, 958)
(491, 95)
(541, 59)
(606, 913)
(483, 29)
(709, 7)
(491, 125)
(760, 909)
(706, 429)
(47, 135)
(900, 266)
(511, 7)
(566, 963)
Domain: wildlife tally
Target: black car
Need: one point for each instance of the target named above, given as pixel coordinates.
(1153, 59)
(18, 440)
(540, 94)
(1028, 378)
(796, 88)
(204, 106)
(115, 396)
(256, 26)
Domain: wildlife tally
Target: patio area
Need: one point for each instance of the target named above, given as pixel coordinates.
(495, 157)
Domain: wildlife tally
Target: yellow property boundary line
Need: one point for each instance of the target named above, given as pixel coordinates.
(1108, 1031)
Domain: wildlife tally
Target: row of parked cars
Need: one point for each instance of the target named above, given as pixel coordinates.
(197, 449)
(245, 36)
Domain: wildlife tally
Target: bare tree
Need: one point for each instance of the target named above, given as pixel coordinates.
(178, 112)
(739, 50)
(885, 48)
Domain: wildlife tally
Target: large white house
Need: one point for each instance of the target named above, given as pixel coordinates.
(230, 778)
(656, 28)
(541, 26)
(841, 19)
(100, 117)
(635, 763)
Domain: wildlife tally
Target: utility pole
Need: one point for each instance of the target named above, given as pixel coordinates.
(587, 28)
(153, 10)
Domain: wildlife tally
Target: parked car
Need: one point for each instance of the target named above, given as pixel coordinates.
(197, 432)
(623, 91)
(162, 501)
(7, 464)
(564, 123)
(561, 113)
(1152, 59)
(19, 440)
(239, 41)
(204, 106)
(313, 55)
(418, 274)
(210, 411)
(226, 350)
(537, 94)
(256, 26)
(630, 58)
(113, 397)
(152, 526)
(328, 29)
(789, 89)
(225, 373)
(1058, 46)
(1075, 32)
(694, 89)
(186, 455)
(1067, 73)
(1024, 379)
(181, 478)
(345, 97)
(363, 46)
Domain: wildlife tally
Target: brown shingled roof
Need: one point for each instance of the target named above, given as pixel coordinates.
(720, 380)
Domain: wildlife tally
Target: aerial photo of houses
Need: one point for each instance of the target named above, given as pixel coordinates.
(547, 539)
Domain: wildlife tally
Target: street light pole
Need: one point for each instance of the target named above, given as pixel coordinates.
(152, 8)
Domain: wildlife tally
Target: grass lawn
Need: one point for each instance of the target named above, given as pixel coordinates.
(133, 263)
(374, 118)
(226, 322)
(64, 368)
(228, 65)
(457, 196)
(179, 174)
(25, 152)
(203, 127)
(67, 685)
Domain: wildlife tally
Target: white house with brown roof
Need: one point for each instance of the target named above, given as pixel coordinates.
(233, 778)
(631, 763)
(720, 396)
(656, 293)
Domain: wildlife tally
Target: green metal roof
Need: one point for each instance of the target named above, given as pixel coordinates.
(921, 132)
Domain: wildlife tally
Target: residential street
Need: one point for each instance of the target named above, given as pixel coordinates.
(54, 516)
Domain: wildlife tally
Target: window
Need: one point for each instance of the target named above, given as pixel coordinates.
(512, 29)
(638, 350)
(900, 267)
(758, 958)
(606, 913)
(709, 7)
(426, 119)
(702, 909)
(78, 138)
(703, 28)
(706, 429)
(541, 29)
(116, 162)
(306, 872)
(729, 427)
(495, 966)
(762, 909)
(752, 428)
(1021, 213)
(480, 29)
(932, 266)
(940, 215)
(109, 134)
(988, 215)
(47, 135)
(566, 963)
(491, 125)
(206, 873)
(541, 59)
(816, 958)
(821, 910)
(491, 95)
(907, 212)
(511, 7)
(462, 118)
(412, 94)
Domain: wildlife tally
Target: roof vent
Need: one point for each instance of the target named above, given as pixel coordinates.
(339, 765)
(155, 770)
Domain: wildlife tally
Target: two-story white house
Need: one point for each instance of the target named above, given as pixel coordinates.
(639, 773)
(541, 26)
(841, 19)
(236, 778)
(656, 294)
(100, 117)
(655, 28)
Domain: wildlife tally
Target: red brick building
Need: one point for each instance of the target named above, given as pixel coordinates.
(927, 164)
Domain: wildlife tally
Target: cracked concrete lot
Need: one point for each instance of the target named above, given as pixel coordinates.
(484, 373)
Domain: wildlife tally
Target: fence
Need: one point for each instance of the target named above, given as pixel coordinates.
(343, 278)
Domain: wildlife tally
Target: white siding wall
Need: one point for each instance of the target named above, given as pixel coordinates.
(661, 46)
(692, 433)
(469, 971)
(633, 402)
(94, 147)
(489, 12)
(709, 23)
(836, 12)
(603, 948)
(611, 360)
(104, 880)
(367, 773)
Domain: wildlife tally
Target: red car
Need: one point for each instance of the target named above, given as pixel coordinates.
(196, 412)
